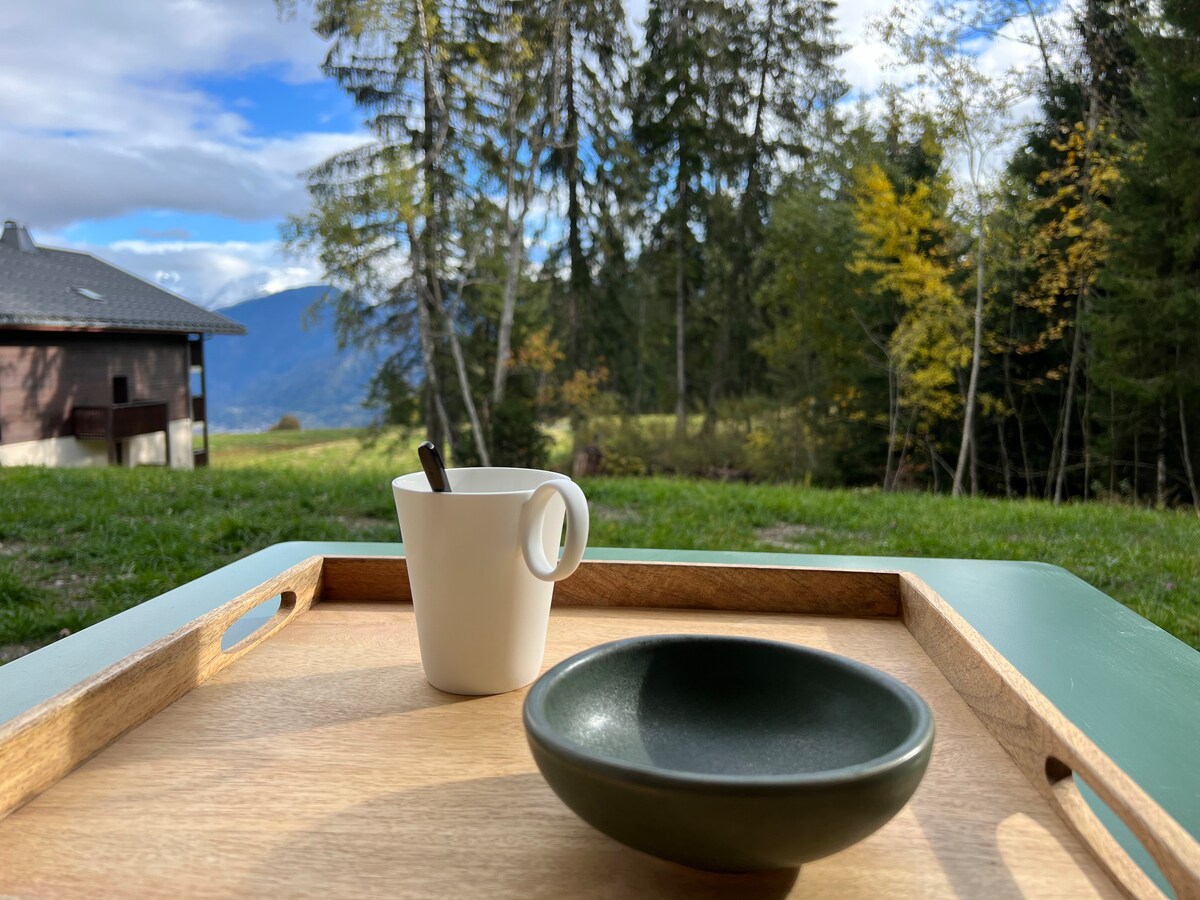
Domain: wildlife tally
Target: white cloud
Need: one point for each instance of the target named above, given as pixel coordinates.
(50, 182)
(1010, 59)
(214, 274)
(868, 64)
(97, 117)
(121, 69)
(866, 59)
(211, 273)
(100, 118)
(157, 37)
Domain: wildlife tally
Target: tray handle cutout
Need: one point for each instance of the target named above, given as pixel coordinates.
(1064, 783)
(1052, 752)
(46, 742)
(263, 617)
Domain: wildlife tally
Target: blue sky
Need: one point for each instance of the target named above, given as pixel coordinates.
(167, 136)
(170, 136)
(273, 105)
(272, 108)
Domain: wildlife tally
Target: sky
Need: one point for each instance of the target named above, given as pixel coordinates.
(170, 137)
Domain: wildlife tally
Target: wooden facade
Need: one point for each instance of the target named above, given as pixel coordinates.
(97, 385)
(93, 358)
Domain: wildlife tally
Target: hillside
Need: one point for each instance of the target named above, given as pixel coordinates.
(285, 364)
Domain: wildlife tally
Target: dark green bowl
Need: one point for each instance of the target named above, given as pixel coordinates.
(726, 753)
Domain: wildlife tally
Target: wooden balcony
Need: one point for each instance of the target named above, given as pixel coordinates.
(118, 421)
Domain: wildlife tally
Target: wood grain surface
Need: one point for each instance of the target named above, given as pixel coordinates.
(321, 763)
(1051, 751)
(41, 746)
(661, 585)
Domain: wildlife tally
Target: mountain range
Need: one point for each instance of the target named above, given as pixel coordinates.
(287, 362)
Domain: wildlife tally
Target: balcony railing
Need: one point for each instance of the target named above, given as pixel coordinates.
(118, 421)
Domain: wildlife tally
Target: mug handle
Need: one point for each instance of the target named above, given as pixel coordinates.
(532, 518)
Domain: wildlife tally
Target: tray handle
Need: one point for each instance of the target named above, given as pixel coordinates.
(45, 743)
(1048, 748)
(287, 611)
(1171, 848)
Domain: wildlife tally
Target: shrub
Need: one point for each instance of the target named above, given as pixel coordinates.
(287, 422)
(754, 439)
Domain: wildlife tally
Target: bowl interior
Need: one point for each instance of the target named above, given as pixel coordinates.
(710, 705)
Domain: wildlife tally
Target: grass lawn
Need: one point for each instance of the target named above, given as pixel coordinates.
(78, 545)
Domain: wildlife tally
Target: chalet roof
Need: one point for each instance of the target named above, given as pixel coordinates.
(47, 287)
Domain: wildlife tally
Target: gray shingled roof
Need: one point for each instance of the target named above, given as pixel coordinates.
(59, 288)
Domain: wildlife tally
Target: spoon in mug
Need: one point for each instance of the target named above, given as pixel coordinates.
(435, 469)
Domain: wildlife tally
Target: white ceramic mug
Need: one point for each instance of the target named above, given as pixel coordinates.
(482, 572)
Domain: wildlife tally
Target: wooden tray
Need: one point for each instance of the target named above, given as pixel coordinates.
(313, 758)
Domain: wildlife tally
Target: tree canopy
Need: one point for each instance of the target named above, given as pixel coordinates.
(558, 220)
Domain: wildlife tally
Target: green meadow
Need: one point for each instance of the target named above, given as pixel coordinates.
(78, 545)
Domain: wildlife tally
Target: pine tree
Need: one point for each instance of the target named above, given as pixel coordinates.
(409, 66)
(593, 103)
(1067, 163)
(690, 98)
(793, 85)
(1147, 324)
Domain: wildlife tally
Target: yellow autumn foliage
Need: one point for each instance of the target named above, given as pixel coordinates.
(540, 352)
(929, 344)
(1071, 246)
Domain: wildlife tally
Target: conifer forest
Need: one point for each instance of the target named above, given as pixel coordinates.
(973, 280)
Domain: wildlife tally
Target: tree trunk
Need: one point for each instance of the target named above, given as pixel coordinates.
(425, 244)
(681, 174)
(1068, 400)
(680, 313)
(579, 277)
(1187, 456)
(640, 358)
(1047, 68)
(460, 367)
(1115, 444)
(513, 226)
(537, 138)
(1137, 462)
(1092, 122)
(1005, 465)
(973, 450)
(893, 379)
(1160, 463)
(437, 302)
(743, 252)
(437, 422)
(1085, 427)
(908, 429)
(515, 255)
(933, 466)
(893, 421)
(1030, 488)
(968, 436)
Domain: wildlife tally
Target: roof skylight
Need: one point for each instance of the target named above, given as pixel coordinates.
(89, 293)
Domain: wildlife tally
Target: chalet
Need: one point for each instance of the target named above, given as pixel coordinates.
(97, 366)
